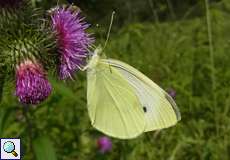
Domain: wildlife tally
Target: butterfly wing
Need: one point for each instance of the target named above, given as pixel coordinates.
(160, 109)
(113, 106)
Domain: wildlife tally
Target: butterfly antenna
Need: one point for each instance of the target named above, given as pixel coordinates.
(110, 27)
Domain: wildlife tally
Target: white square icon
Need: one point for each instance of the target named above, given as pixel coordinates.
(10, 149)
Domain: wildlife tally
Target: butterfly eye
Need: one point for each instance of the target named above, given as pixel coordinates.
(144, 109)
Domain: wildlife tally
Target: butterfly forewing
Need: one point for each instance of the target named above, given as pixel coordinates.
(159, 108)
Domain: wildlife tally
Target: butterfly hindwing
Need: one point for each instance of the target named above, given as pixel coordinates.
(113, 106)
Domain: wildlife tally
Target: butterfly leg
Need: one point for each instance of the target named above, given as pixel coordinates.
(84, 68)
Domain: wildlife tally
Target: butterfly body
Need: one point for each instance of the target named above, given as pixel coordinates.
(123, 102)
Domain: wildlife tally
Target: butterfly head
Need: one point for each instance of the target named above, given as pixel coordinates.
(98, 51)
(95, 57)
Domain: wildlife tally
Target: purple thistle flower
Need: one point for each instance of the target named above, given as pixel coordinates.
(72, 39)
(32, 86)
(10, 3)
(172, 93)
(104, 144)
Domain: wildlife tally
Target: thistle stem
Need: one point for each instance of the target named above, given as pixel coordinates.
(26, 114)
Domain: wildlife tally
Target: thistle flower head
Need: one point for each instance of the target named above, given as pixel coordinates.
(172, 93)
(104, 144)
(32, 86)
(72, 39)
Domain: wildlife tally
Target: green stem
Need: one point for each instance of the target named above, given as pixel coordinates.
(155, 15)
(211, 55)
(2, 81)
(175, 151)
(170, 6)
(33, 3)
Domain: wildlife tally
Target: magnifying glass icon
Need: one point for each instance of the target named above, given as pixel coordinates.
(9, 147)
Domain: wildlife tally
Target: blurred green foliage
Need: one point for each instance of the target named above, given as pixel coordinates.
(174, 52)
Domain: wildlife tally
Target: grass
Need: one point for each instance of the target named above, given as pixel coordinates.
(174, 55)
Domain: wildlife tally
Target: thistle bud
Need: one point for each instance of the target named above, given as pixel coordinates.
(172, 93)
(104, 144)
(32, 86)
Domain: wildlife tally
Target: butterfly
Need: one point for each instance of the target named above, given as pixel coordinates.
(123, 103)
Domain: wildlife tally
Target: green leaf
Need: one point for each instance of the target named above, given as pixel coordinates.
(3, 117)
(62, 89)
(8, 126)
(44, 149)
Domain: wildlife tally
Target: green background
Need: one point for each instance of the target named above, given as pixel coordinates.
(168, 41)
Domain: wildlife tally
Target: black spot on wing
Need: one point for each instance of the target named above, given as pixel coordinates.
(144, 109)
